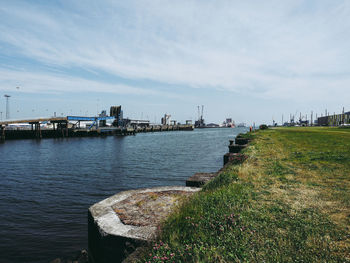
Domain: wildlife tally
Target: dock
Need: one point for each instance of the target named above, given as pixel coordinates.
(70, 126)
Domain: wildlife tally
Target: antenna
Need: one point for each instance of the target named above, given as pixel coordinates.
(7, 106)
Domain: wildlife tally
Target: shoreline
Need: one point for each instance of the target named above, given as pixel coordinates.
(271, 207)
(250, 183)
(111, 237)
(218, 135)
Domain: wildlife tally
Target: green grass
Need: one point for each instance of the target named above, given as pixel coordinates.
(289, 202)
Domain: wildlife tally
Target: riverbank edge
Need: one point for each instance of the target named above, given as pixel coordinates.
(97, 223)
(232, 158)
(81, 256)
(261, 228)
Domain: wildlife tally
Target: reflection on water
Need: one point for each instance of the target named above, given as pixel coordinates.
(47, 186)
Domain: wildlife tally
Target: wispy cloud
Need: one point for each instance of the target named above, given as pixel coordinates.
(30, 82)
(264, 49)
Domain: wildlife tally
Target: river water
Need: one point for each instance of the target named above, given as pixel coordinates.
(47, 186)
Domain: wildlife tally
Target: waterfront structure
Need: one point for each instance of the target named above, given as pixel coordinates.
(166, 120)
(229, 123)
(334, 120)
(200, 122)
(70, 126)
(78, 126)
(212, 125)
(136, 123)
(117, 112)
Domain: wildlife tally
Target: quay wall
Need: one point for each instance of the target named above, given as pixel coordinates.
(12, 134)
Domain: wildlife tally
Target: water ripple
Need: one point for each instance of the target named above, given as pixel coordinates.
(46, 187)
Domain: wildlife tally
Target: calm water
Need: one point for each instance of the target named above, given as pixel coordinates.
(47, 186)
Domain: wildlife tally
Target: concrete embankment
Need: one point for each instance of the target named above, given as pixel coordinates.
(120, 224)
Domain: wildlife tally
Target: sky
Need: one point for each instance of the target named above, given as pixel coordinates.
(253, 61)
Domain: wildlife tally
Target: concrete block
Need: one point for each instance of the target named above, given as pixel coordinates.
(234, 158)
(199, 179)
(127, 220)
(241, 141)
(236, 148)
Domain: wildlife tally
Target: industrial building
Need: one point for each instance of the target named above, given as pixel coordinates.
(334, 120)
(166, 120)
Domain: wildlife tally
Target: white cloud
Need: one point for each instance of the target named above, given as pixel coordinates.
(269, 49)
(31, 82)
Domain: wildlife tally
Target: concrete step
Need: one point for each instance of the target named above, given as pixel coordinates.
(234, 158)
(241, 141)
(236, 148)
(199, 179)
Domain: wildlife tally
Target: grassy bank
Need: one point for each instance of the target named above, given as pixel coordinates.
(290, 201)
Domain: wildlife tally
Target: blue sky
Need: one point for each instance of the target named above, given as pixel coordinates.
(249, 60)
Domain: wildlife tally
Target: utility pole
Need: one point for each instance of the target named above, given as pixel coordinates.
(7, 106)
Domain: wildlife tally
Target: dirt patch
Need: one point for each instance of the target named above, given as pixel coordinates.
(148, 209)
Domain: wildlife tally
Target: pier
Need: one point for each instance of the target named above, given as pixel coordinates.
(70, 126)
